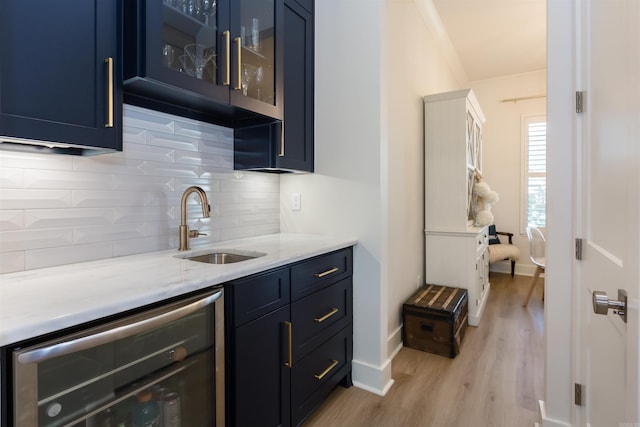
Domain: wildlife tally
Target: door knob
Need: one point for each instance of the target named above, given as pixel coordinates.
(602, 304)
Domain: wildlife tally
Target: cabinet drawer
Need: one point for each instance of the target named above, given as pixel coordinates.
(320, 315)
(317, 374)
(313, 275)
(259, 295)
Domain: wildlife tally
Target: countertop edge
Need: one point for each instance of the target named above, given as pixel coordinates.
(25, 315)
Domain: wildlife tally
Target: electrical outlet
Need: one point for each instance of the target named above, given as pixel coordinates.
(419, 281)
(296, 203)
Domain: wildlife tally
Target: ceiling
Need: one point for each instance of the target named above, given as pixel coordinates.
(495, 38)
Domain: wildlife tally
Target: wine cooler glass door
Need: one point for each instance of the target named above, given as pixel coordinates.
(160, 368)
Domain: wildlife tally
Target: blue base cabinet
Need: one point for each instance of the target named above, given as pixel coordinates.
(60, 76)
(289, 340)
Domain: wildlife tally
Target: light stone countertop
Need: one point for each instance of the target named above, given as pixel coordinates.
(37, 302)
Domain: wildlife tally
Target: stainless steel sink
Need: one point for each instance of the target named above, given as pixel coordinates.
(223, 257)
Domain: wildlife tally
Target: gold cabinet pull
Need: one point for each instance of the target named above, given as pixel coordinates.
(238, 41)
(326, 273)
(289, 326)
(326, 316)
(109, 62)
(227, 76)
(281, 153)
(326, 371)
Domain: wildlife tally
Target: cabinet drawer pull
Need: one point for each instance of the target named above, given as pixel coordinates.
(289, 362)
(326, 371)
(238, 41)
(326, 273)
(281, 153)
(109, 62)
(326, 316)
(227, 76)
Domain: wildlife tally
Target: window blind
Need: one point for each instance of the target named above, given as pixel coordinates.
(536, 173)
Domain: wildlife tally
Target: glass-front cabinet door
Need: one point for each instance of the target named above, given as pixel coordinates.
(229, 51)
(257, 53)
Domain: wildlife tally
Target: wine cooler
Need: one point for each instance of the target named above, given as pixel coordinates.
(162, 367)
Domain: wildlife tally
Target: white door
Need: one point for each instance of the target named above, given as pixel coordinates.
(608, 216)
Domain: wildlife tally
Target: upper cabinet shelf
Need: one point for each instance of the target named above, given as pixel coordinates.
(214, 60)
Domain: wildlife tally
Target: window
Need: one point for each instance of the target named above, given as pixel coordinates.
(534, 171)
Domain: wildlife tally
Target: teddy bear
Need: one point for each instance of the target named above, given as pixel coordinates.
(484, 198)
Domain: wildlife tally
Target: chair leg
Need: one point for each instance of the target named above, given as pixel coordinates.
(532, 285)
(513, 268)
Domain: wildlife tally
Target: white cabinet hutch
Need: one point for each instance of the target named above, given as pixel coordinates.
(455, 249)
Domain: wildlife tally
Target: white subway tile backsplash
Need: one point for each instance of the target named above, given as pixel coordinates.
(9, 159)
(67, 255)
(173, 170)
(142, 214)
(170, 140)
(11, 262)
(136, 246)
(34, 199)
(132, 135)
(203, 131)
(66, 180)
(11, 220)
(107, 233)
(25, 240)
(147, 119)
(139, 150)
(56, 218)
(105, 199)
(11, 178)
(109, 164)
(143, 183)
(64, 209)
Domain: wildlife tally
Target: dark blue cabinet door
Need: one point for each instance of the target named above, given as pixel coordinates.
(213, 60)
(265, 147)
(296, 151)
(56, 81)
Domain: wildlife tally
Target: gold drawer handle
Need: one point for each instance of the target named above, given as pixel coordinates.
(289, 363)
(326, 273)
(326, 371)
(227, 76)
(110, 102)
(326, 316)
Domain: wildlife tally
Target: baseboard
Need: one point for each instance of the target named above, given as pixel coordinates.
(521, 269)
(549, 422)
(394, 342)
(375, 379)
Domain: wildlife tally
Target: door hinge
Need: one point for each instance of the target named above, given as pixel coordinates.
(578, 394)
(579, 101)
(579, 249)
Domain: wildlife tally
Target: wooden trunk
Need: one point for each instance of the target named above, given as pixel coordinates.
(435, 320)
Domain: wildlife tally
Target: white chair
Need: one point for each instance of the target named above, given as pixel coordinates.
(499, 251)
(536, 252)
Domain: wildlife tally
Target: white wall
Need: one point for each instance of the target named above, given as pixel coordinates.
(60, 209)
(501, 157)
(368, 181)
(416, 65)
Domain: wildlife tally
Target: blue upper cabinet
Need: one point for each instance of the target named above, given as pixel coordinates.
(60, 76)
(286, 146)
(215, 60)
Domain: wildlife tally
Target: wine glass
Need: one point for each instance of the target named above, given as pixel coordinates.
(248, 72)
(259, 78)
(209, 10)
(199, 55)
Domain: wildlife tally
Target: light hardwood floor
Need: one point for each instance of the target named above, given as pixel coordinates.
(496, 380)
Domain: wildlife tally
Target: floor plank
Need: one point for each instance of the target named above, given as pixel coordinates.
(496, 380)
